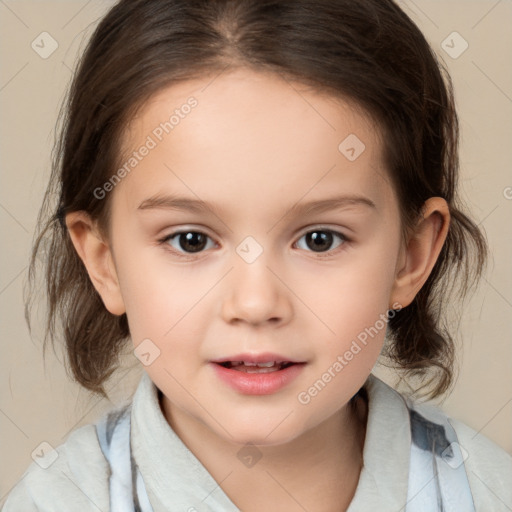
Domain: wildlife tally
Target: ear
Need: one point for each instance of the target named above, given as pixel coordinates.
(97, 258)
(418, 258)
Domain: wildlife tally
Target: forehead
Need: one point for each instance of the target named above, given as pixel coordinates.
(253, 135)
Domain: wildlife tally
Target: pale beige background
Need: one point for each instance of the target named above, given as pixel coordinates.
(41, 404)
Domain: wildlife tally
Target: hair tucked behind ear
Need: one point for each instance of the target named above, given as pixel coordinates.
(420, 343)
(368, 51)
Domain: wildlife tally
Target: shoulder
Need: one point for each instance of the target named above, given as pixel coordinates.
(487, 466)
(74, 473)
(489, 469)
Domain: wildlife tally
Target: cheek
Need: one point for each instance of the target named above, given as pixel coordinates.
(353, 295)
(155, 298)
(354, 313)
(165, 303)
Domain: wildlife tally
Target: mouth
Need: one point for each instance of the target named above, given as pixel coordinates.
(260, 374)
(250, 367)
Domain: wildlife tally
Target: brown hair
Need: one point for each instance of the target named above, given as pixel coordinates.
(367, 51)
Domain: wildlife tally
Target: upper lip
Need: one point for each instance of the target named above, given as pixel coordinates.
(257, 358)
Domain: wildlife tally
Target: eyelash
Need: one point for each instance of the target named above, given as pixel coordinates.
(164, 240)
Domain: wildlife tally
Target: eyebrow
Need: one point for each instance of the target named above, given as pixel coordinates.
(171, 202)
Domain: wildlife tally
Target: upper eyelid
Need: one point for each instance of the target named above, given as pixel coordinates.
(318, 227)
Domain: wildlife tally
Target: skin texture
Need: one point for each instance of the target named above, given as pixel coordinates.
(254, 146)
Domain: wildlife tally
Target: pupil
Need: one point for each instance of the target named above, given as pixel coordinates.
(321, 240)
(192, 242)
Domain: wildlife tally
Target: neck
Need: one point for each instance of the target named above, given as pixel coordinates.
(320, 466)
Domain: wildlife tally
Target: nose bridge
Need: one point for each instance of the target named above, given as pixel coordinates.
(255, 294)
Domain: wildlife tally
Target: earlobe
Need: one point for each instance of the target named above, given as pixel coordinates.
(423, 248)
(97, 257)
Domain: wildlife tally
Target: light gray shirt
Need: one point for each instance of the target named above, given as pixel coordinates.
(175, 479)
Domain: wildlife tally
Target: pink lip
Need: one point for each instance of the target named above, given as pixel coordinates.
(257, 383)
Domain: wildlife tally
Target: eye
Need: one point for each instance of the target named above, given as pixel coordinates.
(188, 242)
(320, 240)
(185, 243)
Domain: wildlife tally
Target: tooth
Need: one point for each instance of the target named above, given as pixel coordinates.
(249, 364)
(266, 365)
(261, 370)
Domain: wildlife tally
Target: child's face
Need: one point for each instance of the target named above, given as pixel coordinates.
(256, 147)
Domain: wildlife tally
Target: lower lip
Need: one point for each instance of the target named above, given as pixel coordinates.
(258, 383)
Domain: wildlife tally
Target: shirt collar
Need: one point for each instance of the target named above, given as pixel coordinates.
(172, 473)
(384, 478)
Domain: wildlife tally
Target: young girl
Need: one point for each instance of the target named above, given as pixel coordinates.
(261, 197)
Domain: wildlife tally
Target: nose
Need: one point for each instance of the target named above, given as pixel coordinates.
(255, 293)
